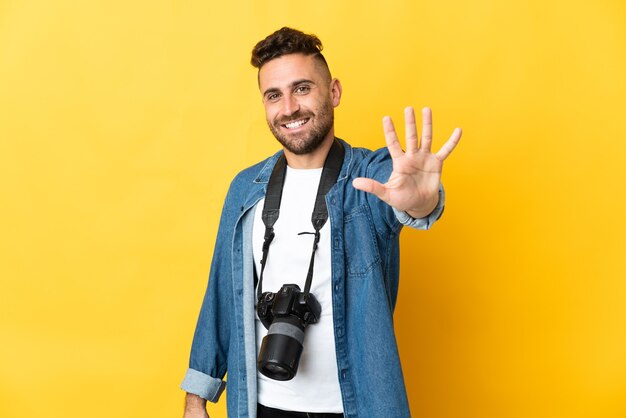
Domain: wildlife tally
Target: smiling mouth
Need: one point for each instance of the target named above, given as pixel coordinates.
(295, 124)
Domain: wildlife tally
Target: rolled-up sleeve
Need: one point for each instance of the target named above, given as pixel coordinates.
(203, 385)
(427, 221)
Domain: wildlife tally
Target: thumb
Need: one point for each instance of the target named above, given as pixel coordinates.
(370, 186)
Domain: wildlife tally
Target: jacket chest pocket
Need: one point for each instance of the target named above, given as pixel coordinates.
(360, 242)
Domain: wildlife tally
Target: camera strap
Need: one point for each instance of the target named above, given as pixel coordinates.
(273, 196)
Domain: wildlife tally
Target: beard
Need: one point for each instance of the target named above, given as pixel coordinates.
(305, 142)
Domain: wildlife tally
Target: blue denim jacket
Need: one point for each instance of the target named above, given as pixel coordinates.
(365, 269)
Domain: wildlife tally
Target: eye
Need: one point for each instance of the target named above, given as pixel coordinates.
(304, 89)
(272, 97)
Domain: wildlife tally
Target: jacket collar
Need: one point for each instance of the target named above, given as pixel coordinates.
(265, 173)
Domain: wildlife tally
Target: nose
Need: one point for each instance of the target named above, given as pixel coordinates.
(290, 105)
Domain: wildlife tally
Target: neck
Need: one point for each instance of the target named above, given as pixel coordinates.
(313, 159)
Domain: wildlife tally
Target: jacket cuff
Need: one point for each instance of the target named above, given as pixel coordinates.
(427, 221)
(203, 385)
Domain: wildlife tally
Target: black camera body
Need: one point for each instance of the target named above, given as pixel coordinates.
(285, 314)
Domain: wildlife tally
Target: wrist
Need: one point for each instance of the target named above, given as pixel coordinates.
(194, 402)
(426, 209)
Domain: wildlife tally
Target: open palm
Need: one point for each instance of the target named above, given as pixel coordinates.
(414, 182)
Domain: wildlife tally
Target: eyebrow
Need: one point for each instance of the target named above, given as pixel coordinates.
(291, 85)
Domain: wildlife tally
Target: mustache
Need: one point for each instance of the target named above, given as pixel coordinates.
(292, 118)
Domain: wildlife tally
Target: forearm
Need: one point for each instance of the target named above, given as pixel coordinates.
(195, 407)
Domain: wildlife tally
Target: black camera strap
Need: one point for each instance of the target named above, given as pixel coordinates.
(273, 196)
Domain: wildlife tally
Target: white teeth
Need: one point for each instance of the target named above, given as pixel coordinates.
(296, 124)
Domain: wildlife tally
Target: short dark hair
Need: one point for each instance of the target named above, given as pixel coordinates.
(286, 41)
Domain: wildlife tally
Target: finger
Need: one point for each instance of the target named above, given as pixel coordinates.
(370, 186)
(393, 145)
(447, 148)
(410, 130)
(427, 129)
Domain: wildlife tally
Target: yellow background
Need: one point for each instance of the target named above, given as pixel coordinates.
(122, 123)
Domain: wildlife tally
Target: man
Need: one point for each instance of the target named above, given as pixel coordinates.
(349, 365)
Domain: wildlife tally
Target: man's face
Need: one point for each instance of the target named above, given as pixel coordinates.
(299, 98)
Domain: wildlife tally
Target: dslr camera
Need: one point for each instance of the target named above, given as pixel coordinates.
(285, 314)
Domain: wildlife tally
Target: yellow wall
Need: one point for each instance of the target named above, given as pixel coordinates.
(122, 123)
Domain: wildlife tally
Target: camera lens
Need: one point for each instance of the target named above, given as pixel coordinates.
(281, 349)
(276, 371)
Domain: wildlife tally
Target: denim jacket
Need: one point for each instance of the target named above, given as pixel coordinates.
(365, 269)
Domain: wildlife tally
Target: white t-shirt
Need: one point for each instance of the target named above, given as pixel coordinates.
(315, 388)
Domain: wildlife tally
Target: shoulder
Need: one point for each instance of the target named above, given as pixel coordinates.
(249, 174)
(368, 163)
(251, 177)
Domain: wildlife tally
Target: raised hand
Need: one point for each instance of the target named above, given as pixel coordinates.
(414, 182)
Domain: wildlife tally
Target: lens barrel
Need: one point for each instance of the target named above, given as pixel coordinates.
(281, 348)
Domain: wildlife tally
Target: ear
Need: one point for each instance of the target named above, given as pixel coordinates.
(335, 91)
